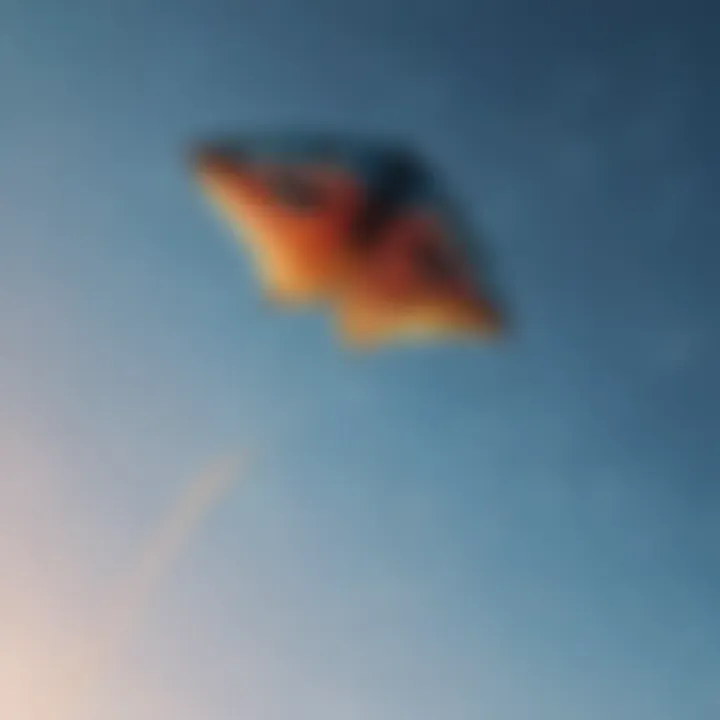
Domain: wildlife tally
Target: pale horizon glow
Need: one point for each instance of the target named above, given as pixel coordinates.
(49, 674)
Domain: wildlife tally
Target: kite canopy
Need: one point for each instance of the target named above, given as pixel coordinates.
(364, 228)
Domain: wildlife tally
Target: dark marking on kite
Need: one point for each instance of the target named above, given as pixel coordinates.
(295, 191)
(431, 261)
(387, 196)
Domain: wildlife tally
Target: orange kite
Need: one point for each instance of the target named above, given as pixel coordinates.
(387, 265)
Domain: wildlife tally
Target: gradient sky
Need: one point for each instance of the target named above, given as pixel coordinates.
(522, 532)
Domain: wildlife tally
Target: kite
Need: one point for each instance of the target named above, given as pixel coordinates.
(359, 237)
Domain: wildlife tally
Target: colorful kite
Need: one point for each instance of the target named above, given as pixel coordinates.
(361, 237)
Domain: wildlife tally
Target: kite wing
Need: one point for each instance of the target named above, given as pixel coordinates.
(292, 218)
(412, 284)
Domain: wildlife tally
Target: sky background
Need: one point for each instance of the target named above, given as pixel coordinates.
(526, 531)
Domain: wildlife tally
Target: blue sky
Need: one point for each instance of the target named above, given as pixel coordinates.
(524, 531)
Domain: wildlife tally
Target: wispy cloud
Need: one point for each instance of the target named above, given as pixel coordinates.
(53, 675)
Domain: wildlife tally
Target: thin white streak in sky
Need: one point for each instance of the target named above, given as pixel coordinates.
(132, 600)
